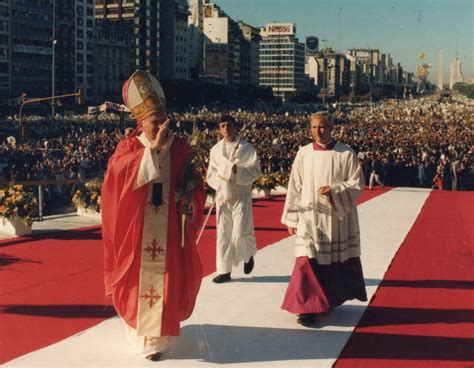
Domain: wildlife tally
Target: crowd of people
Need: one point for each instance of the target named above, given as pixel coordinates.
(416, 143)
(66, 148)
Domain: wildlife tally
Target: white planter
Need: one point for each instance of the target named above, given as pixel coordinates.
(258, 193)
(81, 211)
(267, 192)
(279, 190)
(14, 227)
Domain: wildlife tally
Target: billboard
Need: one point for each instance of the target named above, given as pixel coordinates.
(312, 45)
(208, 10)
(273, 29)
(215, 61)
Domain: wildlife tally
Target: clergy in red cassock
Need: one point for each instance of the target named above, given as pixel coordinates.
(152, 276)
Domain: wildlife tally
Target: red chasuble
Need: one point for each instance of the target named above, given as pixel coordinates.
(130, 261)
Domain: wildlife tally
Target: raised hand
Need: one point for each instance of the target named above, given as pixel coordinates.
(161, 137)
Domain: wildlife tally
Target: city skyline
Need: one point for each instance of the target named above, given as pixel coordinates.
(404, 29)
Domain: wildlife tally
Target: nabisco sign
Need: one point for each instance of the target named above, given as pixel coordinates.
(280, 29)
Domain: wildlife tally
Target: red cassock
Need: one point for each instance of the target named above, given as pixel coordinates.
(123, 214)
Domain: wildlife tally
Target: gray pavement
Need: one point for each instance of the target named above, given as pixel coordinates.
(58, 222)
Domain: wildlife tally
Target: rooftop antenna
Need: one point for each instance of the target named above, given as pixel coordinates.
(457, 43)
(339, 30)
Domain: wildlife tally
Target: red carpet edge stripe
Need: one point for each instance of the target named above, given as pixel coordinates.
(422, 314)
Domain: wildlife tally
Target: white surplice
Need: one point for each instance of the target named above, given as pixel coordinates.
(235, 228)
(325, 231)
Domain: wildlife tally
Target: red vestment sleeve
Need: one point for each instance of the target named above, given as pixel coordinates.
(122, 210)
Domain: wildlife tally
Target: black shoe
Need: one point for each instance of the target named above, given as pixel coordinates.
(154, 357)
(219, 279)
(307, 319)
(248, 267)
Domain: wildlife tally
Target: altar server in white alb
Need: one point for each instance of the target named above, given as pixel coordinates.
(233, 167)
(320, 208)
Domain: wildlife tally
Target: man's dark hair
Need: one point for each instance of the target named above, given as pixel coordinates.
(228, 119)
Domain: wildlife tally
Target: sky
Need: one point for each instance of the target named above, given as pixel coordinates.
(402, 28)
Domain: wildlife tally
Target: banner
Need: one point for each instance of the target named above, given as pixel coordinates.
(107, 106)
(216, 61)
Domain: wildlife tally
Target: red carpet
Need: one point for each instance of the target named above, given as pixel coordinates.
(51, 286)
(422, 314)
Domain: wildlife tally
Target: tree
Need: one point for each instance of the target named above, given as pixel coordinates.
(465, 89)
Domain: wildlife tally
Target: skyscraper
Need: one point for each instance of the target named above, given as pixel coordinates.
(330, 71)
(74, 47)
(281, 59)
(4, 50)
(145, 16)
(31, 48)
(174, 24)
(250, 54)
(222, 51)
(195, 38)
(455, 74)
(113, 64)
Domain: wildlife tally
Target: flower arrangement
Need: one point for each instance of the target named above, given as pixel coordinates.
(16, 202)
(88, 196)
(193, 172)
(282, 179)
(265, 182)
(194, 166)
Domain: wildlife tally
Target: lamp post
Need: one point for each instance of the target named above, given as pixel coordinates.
(53, 66)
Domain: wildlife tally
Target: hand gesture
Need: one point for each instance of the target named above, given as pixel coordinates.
(187, 201)
(186, 198)
(161, 137)
(325, 190)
